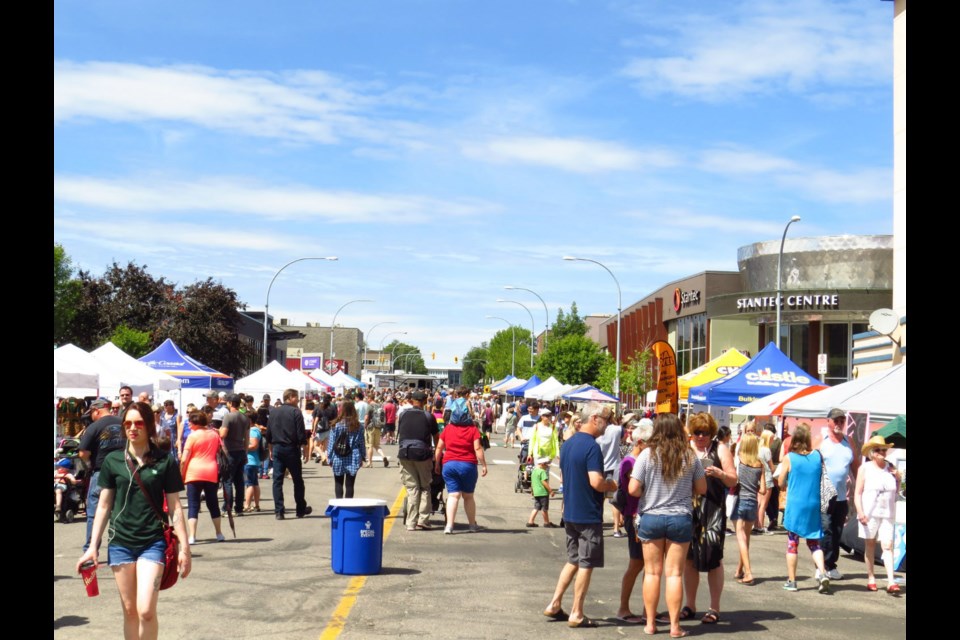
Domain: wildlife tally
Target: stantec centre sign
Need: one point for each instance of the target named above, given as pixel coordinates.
(804, 301)
(683, 299)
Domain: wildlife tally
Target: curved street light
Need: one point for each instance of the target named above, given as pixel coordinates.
(779, 264)
(616, 382)
(365, 341)
(546, 314)
(334, 323)
(266, 307)
(513, 353)
(380, 357)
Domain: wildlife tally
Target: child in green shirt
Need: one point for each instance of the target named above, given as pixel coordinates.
(541, 493)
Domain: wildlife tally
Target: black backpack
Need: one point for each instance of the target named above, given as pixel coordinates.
(342, 445)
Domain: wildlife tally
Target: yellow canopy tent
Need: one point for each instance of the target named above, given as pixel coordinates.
(728, 362)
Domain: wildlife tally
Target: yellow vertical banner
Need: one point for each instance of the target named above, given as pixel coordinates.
(668, 391)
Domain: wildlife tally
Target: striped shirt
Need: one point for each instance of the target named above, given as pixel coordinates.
(661, 497)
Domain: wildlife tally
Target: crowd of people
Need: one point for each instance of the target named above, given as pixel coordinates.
(672, 485)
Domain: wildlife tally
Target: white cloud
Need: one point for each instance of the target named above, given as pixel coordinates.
(244, 197)
(735, 161)
(297, 106)
(764, 47)
(577, 155)
(166, 236)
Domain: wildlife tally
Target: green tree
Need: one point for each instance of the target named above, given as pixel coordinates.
(132, 342)
(568, 324)
(500, 350)
(572, 359)
(412, 361)
(66, 292)
(475, 365)
(606, 375)
(636, 376)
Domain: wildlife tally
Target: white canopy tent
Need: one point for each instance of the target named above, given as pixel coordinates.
(511, 384)
(546, 390)
(882, 394)
(75, 372)
(274, 379)
(130, 371)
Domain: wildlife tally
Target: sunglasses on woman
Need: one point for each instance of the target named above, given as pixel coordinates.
(133, 423)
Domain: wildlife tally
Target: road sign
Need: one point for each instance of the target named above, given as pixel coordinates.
(821, 363)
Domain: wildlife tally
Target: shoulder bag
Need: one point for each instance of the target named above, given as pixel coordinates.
(827, 490)
(171, 554)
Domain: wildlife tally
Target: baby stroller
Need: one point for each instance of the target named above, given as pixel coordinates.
(75, 497)
(524, 471)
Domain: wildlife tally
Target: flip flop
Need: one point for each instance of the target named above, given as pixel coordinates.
(632, 619)
(559, 615)
(748, 583)
(585, 623)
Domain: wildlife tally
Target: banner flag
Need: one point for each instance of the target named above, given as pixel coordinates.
(668, 391)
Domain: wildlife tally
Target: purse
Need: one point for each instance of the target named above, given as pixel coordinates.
(827, 490)
(223, 464)
(171, 554)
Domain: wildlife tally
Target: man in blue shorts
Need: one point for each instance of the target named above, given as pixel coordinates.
(581, 464)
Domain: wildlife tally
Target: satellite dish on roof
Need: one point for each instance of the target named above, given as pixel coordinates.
(884, 321)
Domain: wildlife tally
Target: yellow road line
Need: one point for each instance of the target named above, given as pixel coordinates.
(339, 618)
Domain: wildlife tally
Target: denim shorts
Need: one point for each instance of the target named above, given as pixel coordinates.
(250, 475)
(117, 555)
(460, 477)
(675, 528)
(744, 510)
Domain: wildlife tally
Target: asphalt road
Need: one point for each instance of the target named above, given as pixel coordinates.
(275, 580)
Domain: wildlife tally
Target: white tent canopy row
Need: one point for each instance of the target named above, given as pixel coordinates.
(274, 379)
(549, 389)
(108, 368)
(882, 394)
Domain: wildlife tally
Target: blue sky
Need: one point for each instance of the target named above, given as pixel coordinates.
(443, 149)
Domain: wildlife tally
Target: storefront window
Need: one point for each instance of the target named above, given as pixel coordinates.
(799, 344)
(691, 342)
(836, 344)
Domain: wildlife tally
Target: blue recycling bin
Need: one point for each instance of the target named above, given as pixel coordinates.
(356, 535)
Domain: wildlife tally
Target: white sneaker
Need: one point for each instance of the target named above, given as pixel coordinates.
(191, 541)
(448, 530)
(816, 575)
(834, 574)
(221, 537)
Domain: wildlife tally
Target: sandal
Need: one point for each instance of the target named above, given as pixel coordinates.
(559, 615)
(894, 589)
(585, 623)
(712, 616)
(871, 586)
(686, 613)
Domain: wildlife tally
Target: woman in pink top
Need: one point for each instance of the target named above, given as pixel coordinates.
(198, 466)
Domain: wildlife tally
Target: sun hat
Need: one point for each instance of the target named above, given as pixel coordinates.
(543, 460)
(876, 442)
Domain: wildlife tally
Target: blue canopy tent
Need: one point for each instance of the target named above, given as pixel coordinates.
(589, 393)
(170, 359)
(531, 383)
(768, 372)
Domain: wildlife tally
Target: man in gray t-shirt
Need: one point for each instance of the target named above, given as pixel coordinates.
(610, 448)
(235, 432)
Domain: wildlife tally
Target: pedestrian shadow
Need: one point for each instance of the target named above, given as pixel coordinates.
(399, 571)
(746, 620)
(70, 621)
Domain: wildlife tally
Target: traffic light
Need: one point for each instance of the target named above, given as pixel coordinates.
(433, 356)
(456, 359)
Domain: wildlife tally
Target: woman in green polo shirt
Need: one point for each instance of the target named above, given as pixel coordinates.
(135, 543)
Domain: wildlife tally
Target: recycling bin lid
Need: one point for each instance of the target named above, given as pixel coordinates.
(357, 502)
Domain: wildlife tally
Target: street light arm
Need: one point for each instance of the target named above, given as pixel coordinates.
(546, 313)
(334, 323)
(619, 312)
(783, 239)
(266, 306)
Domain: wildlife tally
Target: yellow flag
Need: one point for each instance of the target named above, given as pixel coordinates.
(668, 392)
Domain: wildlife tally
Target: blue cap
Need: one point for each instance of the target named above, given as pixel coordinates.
(65, 463)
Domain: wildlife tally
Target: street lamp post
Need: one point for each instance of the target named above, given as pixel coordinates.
(367, 335)
(533, 333)
(513, 353)
(266, 307)
(380, 357)
(546, 314)
(334, 323)
(616, 382)
(779, 265)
